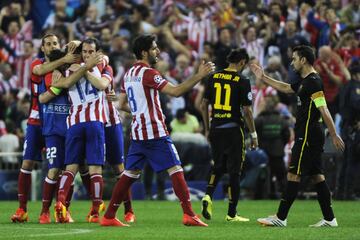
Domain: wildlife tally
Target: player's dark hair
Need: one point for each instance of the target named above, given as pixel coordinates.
(142, 43)
(91, 40)
(46, 36)
(238, 54)
(306, 52)
(57, 54)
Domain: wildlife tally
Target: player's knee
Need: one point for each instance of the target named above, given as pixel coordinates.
(53, 173)
(95, 169)
(27, 165)
(72, 168)
(118, 168)
(293, 177)
(174, 169)
(317, 178)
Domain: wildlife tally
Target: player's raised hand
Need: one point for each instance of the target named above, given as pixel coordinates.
(338, 143)
(111, 96)
(56, 76)
(94, 60)
(72, 58)
(257, 70)
(206, 68)
(73, 45)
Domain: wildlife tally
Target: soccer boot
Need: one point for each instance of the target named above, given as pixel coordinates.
(69, 218)
(129, 217)
(60, 213)
(93, 218)
(20, 216)
(112, 222)
(206, 207)
(325, 223)
(45, 218)
(272, 221)
(237, 218)
(102, 207)
(193, 221)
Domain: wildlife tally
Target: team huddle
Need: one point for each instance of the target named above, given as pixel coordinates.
(74, 117)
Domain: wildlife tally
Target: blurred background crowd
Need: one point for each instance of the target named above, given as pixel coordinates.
(188, 32)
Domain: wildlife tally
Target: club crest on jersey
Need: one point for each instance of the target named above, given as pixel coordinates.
(249, 96)
(158, 78)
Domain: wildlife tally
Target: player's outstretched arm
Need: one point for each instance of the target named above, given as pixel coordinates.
(249, 120)
(336, 139)
(178, 90)
(280, 86)
(46, 97)
(123, 103)
(47, 67)
(204, 108)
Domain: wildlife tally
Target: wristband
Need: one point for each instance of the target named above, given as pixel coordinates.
(253, 135)
(56, 91)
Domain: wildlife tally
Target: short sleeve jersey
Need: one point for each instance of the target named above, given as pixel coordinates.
(308, 116)
(228, 91)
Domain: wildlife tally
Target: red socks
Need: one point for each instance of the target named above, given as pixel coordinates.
(49, 188)
(120, 191)
(65, 185)
(181, 191)
(96, 186)
(24, 186)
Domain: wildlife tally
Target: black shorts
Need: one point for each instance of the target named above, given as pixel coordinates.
(306, 159)
(228, 149)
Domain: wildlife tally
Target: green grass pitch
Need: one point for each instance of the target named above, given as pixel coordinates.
(162, 220)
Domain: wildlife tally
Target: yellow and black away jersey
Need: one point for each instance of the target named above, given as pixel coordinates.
(309, 93)
(227, 91)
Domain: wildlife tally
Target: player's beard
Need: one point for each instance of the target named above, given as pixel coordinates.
(152, 60)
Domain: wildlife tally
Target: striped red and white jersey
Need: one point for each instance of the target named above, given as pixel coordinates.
(14, 42)
(201, 30)
(86, 100)
(34, 117)
(23, 68)
(141, 85)
(111, 113)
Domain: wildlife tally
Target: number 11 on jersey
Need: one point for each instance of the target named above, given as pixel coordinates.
(217, 104)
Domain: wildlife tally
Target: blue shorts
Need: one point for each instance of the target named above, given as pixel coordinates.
(55, 151)
(85, 141)
(114, 144)
(160, 153)
(34, 143)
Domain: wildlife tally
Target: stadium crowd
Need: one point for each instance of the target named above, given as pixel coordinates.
(189, 32)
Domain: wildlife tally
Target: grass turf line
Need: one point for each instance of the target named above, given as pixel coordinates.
(162, 220)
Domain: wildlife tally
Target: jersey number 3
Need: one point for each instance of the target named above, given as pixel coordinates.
(217, 105)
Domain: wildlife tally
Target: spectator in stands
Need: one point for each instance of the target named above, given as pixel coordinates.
(273, 133)
(184, 123)
(350, 14)
(11, 13)
(223, 47)
(329, 28)
(350, 113)
(9, 143)
(331, 74)
(8, 80)
(182, 70)
(23, 66)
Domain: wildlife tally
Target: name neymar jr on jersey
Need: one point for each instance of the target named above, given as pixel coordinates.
(226, 77)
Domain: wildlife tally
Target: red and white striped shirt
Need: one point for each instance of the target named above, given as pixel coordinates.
(23, 69)
(141, 85)
(34, 117)
(87, 101)
(111, 113)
